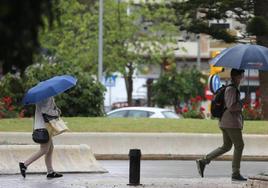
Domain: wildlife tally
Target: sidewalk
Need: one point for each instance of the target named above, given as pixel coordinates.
(110, 181)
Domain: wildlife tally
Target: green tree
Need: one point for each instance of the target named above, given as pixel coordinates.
(137, 35)
(73, 40)
(20, 22)
(173, 87)
(85, 99)
(133, 35)
(194, 16)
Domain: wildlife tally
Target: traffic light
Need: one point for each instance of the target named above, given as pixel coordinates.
(215, 70)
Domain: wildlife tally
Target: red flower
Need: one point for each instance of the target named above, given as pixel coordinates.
(251, 111)
(246, 106)
(257, 104)
(10, 108)
(185, 109)
(202, 109)
(193, 100)
(258, 93)
(198, 98)
(7, 100)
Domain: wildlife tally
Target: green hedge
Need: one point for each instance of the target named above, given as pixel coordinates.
(85, 99)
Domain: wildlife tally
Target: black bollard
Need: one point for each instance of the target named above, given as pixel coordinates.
(134, 167)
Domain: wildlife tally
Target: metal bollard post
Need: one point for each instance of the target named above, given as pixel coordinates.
(134, 167)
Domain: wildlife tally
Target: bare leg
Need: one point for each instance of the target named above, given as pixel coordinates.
(44, 148)
(48, 158)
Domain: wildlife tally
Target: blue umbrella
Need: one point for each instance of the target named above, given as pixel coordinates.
(48, 88)
(243, 56)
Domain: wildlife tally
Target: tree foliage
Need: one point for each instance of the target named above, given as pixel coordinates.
(136, 35)
(173, 87)
(133, 35)
(20, 22)
(85, 99)
(74, 39)
(194, 15)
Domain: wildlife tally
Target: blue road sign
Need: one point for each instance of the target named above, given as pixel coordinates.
(110, 81)
(214, 83)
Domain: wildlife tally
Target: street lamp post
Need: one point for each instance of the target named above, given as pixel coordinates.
(100, 52)
(198, 52)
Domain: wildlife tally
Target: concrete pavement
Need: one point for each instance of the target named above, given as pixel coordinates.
(66, 158)
(154, 174)
(93, 181)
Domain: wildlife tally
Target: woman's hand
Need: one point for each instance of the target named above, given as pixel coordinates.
(59, 111)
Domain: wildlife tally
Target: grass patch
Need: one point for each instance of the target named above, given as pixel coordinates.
(85, 124)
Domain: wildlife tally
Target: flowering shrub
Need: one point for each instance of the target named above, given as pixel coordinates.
(8, 110)
(194, 109)
(252, 112)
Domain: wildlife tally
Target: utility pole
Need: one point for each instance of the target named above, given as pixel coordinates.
(100, 55)
(198, 52)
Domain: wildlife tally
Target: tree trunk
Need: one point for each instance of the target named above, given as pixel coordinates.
(149, 84)
(129, 83)
(261, 7)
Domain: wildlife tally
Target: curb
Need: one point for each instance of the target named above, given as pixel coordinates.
(154, 146)
(176, 157)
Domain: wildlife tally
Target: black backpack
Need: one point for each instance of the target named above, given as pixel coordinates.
(218, 104)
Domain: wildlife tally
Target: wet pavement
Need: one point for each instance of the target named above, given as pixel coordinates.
(104, 181)
(154, 174)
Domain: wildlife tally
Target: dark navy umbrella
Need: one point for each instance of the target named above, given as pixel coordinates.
(243, 56)
(48, 88)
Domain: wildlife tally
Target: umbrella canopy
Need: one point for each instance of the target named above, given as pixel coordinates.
(243, 56)
(48, 88)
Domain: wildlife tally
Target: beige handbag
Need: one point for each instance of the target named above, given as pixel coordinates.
(57, 126)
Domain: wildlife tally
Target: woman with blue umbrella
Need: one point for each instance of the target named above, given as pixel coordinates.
(42, 96)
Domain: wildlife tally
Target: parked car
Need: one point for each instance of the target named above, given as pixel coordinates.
(142, 112)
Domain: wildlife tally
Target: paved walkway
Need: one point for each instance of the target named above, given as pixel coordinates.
(110, 181)
(154, 174)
